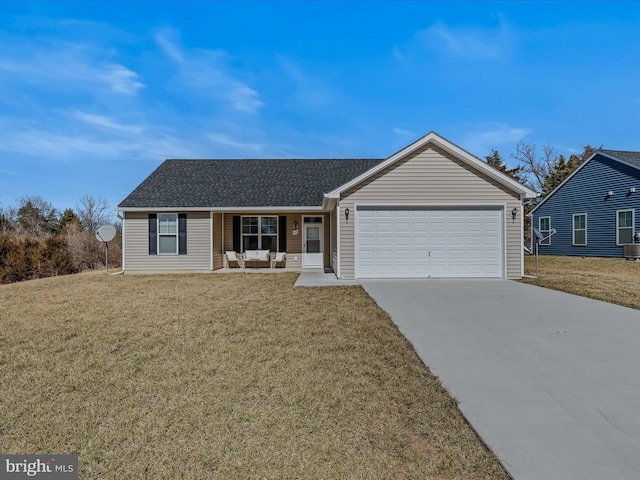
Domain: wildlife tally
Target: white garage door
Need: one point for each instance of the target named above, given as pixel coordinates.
(428, 243)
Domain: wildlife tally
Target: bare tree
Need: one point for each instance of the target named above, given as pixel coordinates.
(537, 167)
(92, 212)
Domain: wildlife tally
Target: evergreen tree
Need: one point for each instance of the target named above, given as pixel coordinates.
(561, 168)
(36, 216)
(68, 219)
(495, 160)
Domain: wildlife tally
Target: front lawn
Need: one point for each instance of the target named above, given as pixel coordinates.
(613, 280)
(222, 376)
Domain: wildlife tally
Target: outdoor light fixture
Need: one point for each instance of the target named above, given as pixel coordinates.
(610, 193)
(514, 212)
(295, 224)
(632, 190)
(346, 215)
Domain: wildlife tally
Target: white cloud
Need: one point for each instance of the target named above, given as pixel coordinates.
(168, 46)
(88, 146)
(105, 122)
(494, 135)
(308, 90)
(464, 42)
(120, 79)
(403, 133)
(69, 67)
(237, 146)
(208, 73)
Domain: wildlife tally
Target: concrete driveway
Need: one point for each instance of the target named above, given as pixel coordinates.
(550, 381)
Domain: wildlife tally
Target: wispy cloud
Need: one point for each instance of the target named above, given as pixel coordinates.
(239, 147)
(66, 66)
(90, 146)
(168, 44)
(494, 135)
(403, 133)
(120, 79)
(105, 122)
(308, 90)
(462, 42)
(208, 73)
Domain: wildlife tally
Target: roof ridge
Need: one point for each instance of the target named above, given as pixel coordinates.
(620, 151)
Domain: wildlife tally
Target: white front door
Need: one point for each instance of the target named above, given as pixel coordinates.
(312, 248)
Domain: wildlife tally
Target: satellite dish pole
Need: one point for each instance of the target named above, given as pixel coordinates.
(105, 234)
(539, 239)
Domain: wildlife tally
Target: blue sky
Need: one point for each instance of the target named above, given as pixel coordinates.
(95, 95)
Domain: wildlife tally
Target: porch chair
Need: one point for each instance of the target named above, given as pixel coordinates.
(279, 259)
(233, 257)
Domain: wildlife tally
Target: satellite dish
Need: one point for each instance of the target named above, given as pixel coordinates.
(538, 233)
(106, 233)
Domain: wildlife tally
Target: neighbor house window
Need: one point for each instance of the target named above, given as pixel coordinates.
(624, 227)
(544, 225)
(580, 229)
(168, 233)
(260, 233)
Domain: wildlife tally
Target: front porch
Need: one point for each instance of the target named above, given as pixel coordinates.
(307, 237)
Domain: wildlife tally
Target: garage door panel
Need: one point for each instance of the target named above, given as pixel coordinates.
(429, 243)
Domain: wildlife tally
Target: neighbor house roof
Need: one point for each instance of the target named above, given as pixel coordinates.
(626, 157)
(630, 157)
(244, 183)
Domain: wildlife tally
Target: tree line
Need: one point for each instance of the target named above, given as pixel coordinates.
(540, 169)
(37, 240)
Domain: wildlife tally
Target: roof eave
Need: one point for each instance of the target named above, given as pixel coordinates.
(223, 209)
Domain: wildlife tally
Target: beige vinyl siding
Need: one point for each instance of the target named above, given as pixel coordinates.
(430, 176)
(137, 256)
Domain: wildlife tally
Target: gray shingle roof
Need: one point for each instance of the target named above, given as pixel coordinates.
(244, 183)
(631, 157)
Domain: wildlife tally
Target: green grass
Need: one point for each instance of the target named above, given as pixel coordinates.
(612, 280)
(222, 376)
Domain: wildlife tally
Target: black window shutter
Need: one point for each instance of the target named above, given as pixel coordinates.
(182, 233)
(282, 233)
(153, 234)
(236, 233)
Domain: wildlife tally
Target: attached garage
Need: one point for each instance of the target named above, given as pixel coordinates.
(429, 242)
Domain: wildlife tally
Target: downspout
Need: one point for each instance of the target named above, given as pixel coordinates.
(338, 239)
(222, 241)
(521, 233)
(211, 239)
(121, 217)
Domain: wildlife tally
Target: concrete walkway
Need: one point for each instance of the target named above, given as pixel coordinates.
(317, 277)
(550, 381)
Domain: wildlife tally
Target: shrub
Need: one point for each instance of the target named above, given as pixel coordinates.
(28, 258)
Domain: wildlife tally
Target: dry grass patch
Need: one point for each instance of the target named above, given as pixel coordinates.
(222, 376)
(612, 280)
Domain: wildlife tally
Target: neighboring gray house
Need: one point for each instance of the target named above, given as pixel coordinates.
(430, 210)
(594, 210)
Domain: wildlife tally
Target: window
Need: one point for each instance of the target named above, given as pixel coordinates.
(624, 227)
(260, 233)
(580, 229)
(167, 233)
(544, 225)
